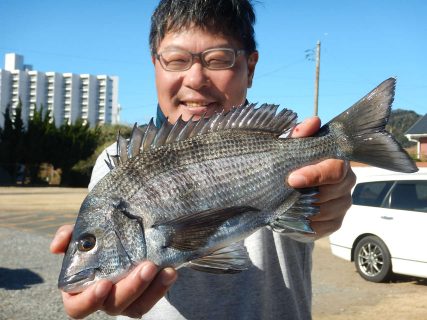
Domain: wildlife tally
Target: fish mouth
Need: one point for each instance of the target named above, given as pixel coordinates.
(76, 281)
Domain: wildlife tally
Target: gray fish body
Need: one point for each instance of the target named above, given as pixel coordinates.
(193, 193)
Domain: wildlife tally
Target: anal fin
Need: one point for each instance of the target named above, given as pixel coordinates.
(294, 217)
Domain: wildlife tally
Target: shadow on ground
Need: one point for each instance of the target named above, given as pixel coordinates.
(18, 279)
(400, 278)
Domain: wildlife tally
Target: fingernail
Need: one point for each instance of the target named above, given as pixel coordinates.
(147, 272)
(297, 180)
(168, 276)
(346, 166)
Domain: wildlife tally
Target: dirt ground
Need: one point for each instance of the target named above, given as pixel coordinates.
(338, 291)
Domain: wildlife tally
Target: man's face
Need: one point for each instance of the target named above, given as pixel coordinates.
(199, 90)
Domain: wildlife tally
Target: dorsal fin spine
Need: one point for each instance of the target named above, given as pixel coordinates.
(122, 145)
(176, 129)
(135, 141)
(184, 134)
(233, 118)
(215, 119)
(248, 118)
(149, 135)
(262, 119)
(244, 115)
(198, 126)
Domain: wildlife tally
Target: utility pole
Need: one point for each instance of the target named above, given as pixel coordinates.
(316, 83)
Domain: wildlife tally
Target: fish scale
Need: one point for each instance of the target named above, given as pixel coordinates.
(210, 182)
(209, 149)
(185, 195)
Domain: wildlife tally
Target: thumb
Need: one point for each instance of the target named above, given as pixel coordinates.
(306, 128)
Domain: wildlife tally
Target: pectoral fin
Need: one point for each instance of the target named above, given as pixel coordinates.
(231, 259)
(192, 231)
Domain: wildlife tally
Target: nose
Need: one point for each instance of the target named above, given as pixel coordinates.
(196, 76)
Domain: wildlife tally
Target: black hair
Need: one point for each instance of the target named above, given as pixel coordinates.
(234, 18)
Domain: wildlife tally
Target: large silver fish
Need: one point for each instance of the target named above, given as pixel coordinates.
(186, 194)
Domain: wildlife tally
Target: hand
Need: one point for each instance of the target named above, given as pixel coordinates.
(132, 296)
(335, 180)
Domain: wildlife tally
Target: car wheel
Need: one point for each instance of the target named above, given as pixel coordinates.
(372, 259)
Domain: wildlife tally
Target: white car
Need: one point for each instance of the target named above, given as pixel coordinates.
(385, 230)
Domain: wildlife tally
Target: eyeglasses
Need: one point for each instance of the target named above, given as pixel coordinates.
(212, 59)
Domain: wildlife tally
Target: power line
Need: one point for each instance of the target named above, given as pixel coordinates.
(280, 68)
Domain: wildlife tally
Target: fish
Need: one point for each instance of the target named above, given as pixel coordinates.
(187, 194)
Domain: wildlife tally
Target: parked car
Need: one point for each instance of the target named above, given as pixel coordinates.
(385, 230)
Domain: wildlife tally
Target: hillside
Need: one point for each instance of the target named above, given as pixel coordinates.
(400, 121)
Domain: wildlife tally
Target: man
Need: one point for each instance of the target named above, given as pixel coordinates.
(204, 55)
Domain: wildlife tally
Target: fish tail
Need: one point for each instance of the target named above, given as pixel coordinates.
(361, 135)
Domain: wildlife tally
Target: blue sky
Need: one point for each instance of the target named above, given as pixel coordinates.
(363, 43)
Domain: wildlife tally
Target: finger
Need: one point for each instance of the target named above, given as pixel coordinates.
(323, 229)
(306, 128)
(129, 289)
(154, 293)
(61, 239)
(333, 209)
(83, 304)
(329, 192)
(330, 171)
(331, 216)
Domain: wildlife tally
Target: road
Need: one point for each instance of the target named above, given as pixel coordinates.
(28, 272)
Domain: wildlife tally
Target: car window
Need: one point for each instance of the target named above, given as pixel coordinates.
(371, 193)
(409, 195)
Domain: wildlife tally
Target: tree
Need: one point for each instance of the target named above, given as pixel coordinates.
(12, 139)
(400, 121)
(40, 141)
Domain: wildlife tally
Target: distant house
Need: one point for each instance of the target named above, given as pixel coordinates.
(418, 134)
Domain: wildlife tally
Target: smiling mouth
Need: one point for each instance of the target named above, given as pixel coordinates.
(198, 109)
(194, 105)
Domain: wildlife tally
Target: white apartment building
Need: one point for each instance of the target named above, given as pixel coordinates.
(68, 96)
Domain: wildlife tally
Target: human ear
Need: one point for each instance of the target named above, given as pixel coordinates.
(252, 61)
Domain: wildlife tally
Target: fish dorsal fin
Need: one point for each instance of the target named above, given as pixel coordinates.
(244, 118)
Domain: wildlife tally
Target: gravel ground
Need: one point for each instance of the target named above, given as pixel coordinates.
(28, 277)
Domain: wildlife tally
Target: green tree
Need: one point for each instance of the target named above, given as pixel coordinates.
(40, 141)
(107, 135)
(12, 139)
(6, 143)
(400, 121)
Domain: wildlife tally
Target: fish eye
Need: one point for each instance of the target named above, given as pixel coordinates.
(86, 242)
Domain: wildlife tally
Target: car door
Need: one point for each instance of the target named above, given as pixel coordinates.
(405, 220)
(366, 214)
